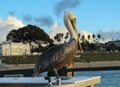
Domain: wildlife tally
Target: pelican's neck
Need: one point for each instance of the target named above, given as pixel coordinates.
(73, 33)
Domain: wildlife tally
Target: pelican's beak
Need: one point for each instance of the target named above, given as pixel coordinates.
(73, 22)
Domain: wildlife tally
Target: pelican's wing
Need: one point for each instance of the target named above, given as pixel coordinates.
(51, 56)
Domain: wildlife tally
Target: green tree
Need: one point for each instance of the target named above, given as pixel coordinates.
(66, 36)
(83, 38)
(99, 36)
(93, 36)
(30, 34)
(79, 35)
(88, 37)
(58, 37)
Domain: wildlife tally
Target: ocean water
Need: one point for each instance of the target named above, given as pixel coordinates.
(108, 78)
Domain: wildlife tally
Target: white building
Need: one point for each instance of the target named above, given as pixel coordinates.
(15, 49)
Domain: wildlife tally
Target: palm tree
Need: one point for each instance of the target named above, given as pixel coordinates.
(93, 36)
(99, 36)
(83, 38)
(58, 37)
(66, 36)
(79, 35)
(88, 37)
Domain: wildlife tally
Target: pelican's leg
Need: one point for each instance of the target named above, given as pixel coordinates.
(57, 77)
(49, 81)
(56, 73)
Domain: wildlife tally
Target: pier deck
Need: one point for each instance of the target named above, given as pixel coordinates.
(82, 81)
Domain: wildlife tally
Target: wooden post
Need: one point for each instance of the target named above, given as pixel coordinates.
(70, 65)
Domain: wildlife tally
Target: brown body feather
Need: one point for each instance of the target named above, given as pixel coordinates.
(55, 57)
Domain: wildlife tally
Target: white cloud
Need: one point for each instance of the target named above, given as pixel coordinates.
(110, 35)
(86, 33)
(56, 28)
(7, 25)
(105, 36)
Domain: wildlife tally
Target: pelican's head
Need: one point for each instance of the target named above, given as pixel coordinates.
(70, 23)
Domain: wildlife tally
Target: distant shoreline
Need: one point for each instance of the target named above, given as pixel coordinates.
(96, 64)
(76, 65)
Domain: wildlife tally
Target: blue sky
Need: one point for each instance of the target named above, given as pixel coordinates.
(92, 15)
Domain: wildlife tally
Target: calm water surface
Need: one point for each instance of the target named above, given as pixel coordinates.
(108, 78)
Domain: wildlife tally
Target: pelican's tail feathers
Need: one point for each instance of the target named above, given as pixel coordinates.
(35, 74)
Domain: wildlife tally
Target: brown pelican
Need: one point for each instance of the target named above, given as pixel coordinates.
(57, 57)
